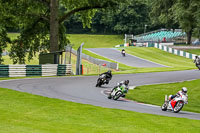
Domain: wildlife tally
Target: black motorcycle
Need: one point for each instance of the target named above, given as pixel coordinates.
(101, 80)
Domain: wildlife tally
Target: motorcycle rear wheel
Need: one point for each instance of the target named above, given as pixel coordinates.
(198, 66)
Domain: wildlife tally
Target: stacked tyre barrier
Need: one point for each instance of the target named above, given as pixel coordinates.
(35, 70)
(4, 70)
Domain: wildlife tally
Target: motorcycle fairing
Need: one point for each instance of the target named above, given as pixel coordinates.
(173, 103)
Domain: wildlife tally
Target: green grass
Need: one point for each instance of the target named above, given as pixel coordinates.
(95, 41)
(34, 61)
(161, 57)
(193, 51)
(26, 113)
(154, 94)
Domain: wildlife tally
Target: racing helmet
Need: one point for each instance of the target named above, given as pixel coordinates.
(109, 71)
(184, 90)
(126, 82)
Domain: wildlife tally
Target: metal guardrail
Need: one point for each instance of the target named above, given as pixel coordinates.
(98, 61)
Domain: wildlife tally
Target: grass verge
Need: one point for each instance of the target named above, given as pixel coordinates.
(154, 94)
(193, 51)
(23, 112)
(95, 41)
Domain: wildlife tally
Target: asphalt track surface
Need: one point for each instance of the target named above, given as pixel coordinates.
(129, 60)
(81, 89)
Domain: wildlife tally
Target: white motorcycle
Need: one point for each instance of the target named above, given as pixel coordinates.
(175, 104)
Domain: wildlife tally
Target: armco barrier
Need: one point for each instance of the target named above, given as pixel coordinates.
(98, 61)
(35, 70)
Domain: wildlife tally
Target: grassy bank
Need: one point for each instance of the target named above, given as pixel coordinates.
(154, 94)
(22, 112)
(95, 41)
(161, 57)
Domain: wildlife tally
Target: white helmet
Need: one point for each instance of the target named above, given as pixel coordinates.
(184, 90)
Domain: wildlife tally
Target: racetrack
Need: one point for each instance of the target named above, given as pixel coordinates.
(129, 60)
(82, 89)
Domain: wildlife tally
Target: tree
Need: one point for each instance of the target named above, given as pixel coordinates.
(131, 18)
(36, 19)
(182, 12)
(161, 13)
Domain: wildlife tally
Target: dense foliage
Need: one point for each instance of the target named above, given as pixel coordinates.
(183, 14)
(36, 20)
(126, 18)
(43, 23)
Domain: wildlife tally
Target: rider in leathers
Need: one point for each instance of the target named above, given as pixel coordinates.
(108, 76)
(123, 52)
(179, 93)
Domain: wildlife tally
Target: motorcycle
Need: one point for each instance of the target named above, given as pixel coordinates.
(175, 104)
(123, 53)
(101, 80)
(117, 92)
(197, 63)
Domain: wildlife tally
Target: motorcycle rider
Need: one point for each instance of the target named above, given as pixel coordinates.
(183, 91)
(197, 61)
(108, 76)
(123, 52)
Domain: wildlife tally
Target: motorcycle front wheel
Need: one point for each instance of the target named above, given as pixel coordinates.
(117, 95)
(178, 106)
(164, 107)
(98, 83)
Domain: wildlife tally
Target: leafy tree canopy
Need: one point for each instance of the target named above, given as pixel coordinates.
(33, 19)
(185, 13)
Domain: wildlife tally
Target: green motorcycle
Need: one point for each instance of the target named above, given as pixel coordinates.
(117, 92)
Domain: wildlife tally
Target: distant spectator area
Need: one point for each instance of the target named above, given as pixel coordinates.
(162, 35)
